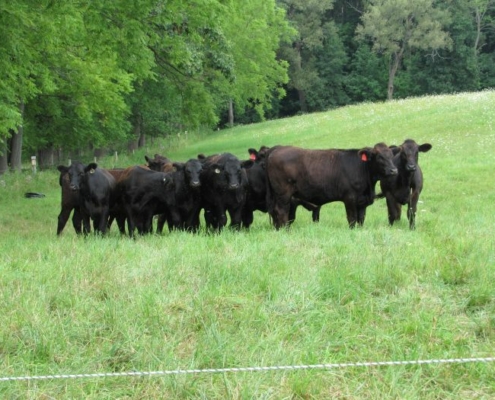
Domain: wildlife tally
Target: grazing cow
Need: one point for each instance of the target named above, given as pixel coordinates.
(95, 186)
(223, 189)
(256, 194)
(70, 202)
(323, 176)
(184, 215)
(405, 187)
(143, 193)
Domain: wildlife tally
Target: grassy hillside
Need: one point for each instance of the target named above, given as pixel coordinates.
(318, 293)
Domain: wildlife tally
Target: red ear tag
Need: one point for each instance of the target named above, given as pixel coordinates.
(364, 157)
(252, 156)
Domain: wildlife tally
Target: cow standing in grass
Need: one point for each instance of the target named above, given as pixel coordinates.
(95, 186)
(143, 193)
(223, 189)
(323, 176)
(256, 194)
(184, 214)
(406, 186)
(70, 203)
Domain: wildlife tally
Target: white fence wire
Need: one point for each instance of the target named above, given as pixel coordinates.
(366, 364)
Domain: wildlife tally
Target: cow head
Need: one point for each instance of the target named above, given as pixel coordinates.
(192, 171)
(380, 159)
(159, 163)
(409, 152)
(76, 173)
(233, 172)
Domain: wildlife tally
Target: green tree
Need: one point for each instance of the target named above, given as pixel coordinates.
(394, 26)
(308, 17)
(255, 30)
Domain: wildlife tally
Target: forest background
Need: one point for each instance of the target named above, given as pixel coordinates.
(81, 79)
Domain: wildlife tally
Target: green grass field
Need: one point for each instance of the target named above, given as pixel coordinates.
(317, 293)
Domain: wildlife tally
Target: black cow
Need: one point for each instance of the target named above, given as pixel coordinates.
(184, 215)
(405, 187)
(223, 189)
(143, 193)
(323, 176)
(95, 186)
(256, 194)
(70, 202)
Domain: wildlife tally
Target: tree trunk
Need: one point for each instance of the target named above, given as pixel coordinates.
(302, 100)
(16, 149)
(231, 113)
(46, 157)
(134, 143)
(142, 139)
(395, 60)
(4, 165)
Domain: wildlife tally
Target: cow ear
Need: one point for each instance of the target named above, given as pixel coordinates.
(91, 168)
(365, 154)
(201, 157)
(247, 164)
(215, 168)
(178, 166)
(63, 169)
(148, 160)
(425, 147)
(396, 149)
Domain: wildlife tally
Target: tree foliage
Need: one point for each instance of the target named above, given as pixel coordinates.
(395, 26)
(79, 74)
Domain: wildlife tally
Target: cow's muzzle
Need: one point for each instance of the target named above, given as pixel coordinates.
(74, 187)
(392, 172)
(410, 167)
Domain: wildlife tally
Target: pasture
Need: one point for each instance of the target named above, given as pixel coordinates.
(316, 293)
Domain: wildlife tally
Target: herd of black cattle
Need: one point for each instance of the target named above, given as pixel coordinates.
(275, 180)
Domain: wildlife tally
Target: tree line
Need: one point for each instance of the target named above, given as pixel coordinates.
(90, 75)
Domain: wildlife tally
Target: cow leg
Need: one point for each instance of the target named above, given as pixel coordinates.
(352, 214)
(175, 220)
(394, 210)
(316, 214)
(361, 215)
(162, 218)
(221, 219)
(77, 220)
(247, 218)
(209, 218)
(104, 220)
(292, 212)
(412, 206)
(235, 218)
(192, 221)
(121, 223)
(131, 225)
(86, 221)
(281, 211)
(63, 218)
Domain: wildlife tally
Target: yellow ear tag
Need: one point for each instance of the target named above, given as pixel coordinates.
(217, 171)
(91, 171)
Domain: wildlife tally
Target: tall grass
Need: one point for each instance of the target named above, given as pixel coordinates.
(317, 293)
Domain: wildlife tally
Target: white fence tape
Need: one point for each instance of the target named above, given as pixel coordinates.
(249, 369)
